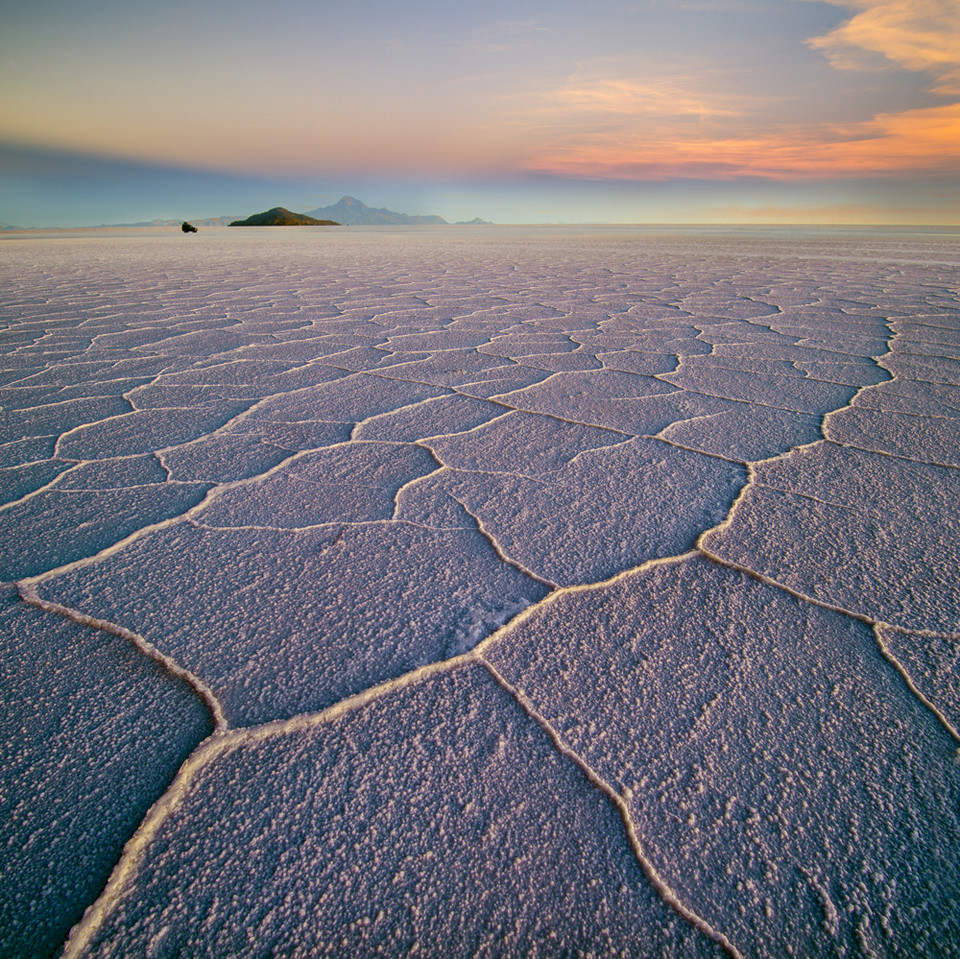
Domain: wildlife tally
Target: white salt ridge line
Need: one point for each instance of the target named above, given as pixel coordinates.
(559, 592)
(807, 343)
(692, 449)
(644, 353)
(901, 457)
(244, 414)
(865, 511)
(133, 486)
(917, 416)
(805, 375)
(435, 350)
(874, 625)
(346, 524)
(498, 397)
(359, 424)
(383, 373)
(888, 655)
(115, 548)
(599, 450)
(501, 553)
(50, 484)
(222, 488)
(727, 521)
(497, 400)
(562, 419)
(158, 456)
(733, 399)
(413, 482)
(28, 594)
(461, 433)
(921, 379)
(120, 416)
(825, 425)
(540, 479)
(662, 888)
(549, 369)
(823, 604)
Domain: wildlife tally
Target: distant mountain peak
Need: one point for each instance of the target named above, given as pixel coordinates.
(353, 212)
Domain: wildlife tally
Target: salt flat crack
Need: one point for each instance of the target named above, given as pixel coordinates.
(28, 593)
(45, 488)
(692, 449)
(656, 880)
(905, 676)
(498, 549)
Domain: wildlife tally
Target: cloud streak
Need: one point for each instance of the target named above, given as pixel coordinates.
(919, 141)
(641, 129)
(922, 35)
(634, 98)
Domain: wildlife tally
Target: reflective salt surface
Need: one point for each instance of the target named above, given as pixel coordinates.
(488, 591)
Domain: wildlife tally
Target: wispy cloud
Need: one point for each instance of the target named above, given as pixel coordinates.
(664, 97)
(918, 141)
(922, 35)
(689, 126)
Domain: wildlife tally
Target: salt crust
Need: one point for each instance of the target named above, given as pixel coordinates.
(538, 592)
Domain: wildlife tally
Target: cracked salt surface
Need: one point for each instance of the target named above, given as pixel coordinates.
(496, 592)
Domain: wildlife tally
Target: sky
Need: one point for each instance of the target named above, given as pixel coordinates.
(696, 111)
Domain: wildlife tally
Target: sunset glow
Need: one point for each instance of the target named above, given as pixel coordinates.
(444, 100)
(915, 141)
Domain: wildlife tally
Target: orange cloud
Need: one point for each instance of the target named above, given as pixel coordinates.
(915, 34)
(915, 141)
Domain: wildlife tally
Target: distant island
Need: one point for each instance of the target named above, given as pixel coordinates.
(280, 216)
(350, 211)
(347, 211)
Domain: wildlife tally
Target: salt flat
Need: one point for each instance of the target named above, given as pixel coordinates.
(481, 591)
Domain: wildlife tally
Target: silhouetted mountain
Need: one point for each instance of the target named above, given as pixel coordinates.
(476, 221)
(278, 216)
(351, 212)
(215, 221)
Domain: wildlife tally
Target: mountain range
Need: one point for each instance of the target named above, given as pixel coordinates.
(350, 211)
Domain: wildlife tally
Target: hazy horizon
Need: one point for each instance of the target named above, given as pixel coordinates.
(696, 111)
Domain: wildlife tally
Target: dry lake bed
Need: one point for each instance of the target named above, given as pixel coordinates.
(480, 592)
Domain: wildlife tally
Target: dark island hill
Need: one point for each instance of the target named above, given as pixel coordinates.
(278, 216)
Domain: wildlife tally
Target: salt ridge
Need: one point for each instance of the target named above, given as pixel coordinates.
(223, 738)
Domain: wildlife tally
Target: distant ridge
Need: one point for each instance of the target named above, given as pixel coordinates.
(196, 221)
(280, 216)
(347, 211)
(352, 212)
(212, 221)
